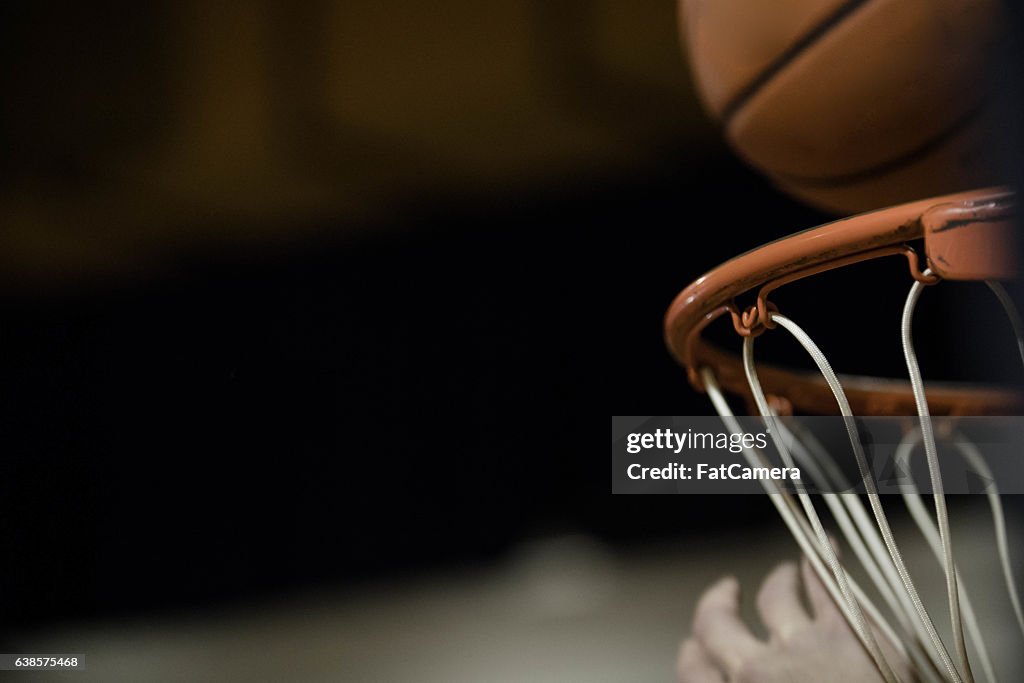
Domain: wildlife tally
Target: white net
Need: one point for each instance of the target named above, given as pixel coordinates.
(914, 637)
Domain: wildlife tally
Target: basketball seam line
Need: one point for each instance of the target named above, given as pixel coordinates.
(785, 57)
(893, 164)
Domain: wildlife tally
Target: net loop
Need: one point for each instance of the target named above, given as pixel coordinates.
(753, 321)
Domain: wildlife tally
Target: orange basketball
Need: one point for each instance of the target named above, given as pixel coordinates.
(851, 105)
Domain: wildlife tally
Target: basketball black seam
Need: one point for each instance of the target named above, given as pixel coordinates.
(889, 165)
(787, 56)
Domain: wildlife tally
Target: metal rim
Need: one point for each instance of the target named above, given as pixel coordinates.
(833, 245)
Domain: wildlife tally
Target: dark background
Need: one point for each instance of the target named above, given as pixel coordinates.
(255, 401)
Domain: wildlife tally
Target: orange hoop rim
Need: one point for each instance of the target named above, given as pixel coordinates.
(885, 232)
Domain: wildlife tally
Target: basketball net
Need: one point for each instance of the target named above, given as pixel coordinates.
(911, 631)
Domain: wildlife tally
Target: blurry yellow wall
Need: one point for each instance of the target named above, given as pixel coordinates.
(141, 135)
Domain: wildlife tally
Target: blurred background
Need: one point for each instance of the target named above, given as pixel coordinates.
(313, 315)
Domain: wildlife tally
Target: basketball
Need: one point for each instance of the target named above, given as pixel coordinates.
(851, 106)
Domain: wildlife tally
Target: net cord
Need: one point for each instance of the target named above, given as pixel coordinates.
(872, 492)
(998, 518)
(827, 476)
(798, 527)
(935, 474)
(860, 625)
(922, 518)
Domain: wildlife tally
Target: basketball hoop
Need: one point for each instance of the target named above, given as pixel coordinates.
(967, 237)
